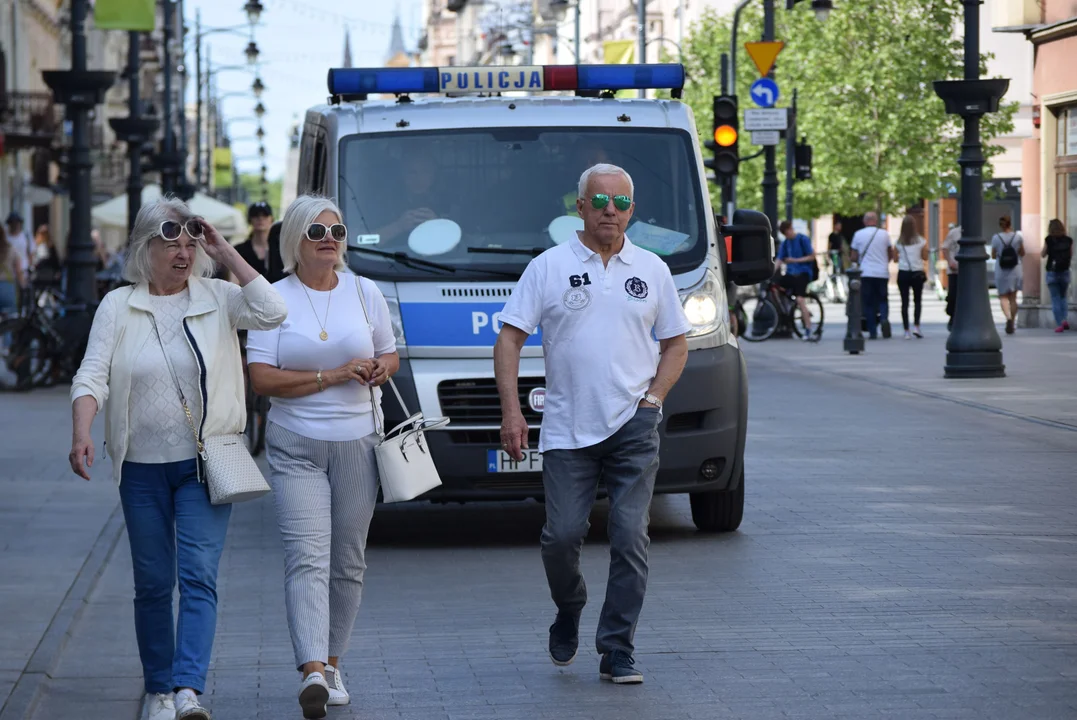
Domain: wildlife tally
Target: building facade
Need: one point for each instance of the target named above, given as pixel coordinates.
(1049, 155)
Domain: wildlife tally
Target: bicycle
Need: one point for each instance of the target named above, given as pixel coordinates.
(836, 285)
(773, 309)
(45, 348)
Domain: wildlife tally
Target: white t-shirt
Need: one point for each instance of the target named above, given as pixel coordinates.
(21, 245)
(596, 335)
(875, 263)
(910, 257)
(341, 412)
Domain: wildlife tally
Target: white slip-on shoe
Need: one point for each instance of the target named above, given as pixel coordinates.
(338, 695)
(188, 707)
(313, 696)
(162, 706)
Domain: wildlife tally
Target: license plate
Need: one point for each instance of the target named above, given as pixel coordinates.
(498, 461)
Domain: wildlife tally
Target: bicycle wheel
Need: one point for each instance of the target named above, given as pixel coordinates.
(815, 310)
(29, 357)
(761, 315)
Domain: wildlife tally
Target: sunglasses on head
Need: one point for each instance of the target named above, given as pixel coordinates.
(621, 202)
(318, 232)
(171, 230)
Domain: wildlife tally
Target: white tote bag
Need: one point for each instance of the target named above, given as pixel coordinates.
(405, 466)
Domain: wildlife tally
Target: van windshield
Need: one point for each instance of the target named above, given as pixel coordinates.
(482, 202)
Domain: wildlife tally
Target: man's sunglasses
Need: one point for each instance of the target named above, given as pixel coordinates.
(317, 232)
(621, 202)
(171, 230)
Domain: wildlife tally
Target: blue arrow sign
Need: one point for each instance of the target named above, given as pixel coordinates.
(764, 92)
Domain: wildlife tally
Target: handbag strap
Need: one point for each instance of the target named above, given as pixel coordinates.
(175, 379)
(868, 246)
(370, 388)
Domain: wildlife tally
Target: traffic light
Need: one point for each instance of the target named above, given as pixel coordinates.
(802, 158)
(723, 142)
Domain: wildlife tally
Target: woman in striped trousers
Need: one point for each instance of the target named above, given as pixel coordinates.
(322, 370)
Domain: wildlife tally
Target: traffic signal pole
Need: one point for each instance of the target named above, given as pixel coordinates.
(729, 185)
(790, 158)
(770, 171)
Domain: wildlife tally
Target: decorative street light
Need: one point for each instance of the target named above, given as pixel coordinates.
(974, 349)
(259, 110)
(564, 5)
(262, 150)
(252, 53)
(254, 11)
(261, 133)
(258, 87)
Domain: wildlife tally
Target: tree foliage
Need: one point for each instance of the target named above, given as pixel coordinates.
(881, 138)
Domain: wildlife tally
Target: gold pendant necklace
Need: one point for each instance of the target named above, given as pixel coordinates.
(323, 335)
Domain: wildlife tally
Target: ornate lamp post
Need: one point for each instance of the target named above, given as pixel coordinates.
(974, 349)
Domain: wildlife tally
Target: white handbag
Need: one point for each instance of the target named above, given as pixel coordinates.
(225, 465)
(405, 466)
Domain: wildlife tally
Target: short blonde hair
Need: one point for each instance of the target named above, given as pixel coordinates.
(136, 267)
(293, 228)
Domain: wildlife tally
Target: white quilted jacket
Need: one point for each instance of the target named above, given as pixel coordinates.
(122, 326)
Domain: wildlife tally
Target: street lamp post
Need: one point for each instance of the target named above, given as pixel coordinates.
(168, 160)
(974, 349)
(135, 129)
(80, 90)
(770, 170)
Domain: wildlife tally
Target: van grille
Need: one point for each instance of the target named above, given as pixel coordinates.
(473, 291)
(476, 401)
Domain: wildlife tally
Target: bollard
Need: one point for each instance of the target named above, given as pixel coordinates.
(854, 336)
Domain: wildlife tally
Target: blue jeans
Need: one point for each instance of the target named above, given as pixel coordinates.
(873, 295)
(174, 530)
(1058, 283)
(627, 461)
(8, 304)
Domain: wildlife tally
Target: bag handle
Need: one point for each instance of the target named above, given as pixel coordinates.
(183, 400)
(399, 398)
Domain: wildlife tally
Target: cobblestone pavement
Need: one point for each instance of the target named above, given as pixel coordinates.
(901, 556)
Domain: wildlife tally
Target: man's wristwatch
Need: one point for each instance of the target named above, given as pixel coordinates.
(653, 400)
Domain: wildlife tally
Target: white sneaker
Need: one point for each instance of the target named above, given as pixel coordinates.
(161, 707)
(313, 696)
(188, 707)
(338, 695)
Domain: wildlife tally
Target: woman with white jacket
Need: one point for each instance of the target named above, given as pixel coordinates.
(163, 361)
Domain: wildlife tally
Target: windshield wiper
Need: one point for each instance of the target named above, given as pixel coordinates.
(533, 251)
(404, 259)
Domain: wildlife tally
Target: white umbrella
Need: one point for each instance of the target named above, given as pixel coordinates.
(230, 222)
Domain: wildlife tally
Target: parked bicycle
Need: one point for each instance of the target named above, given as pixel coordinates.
(44, 346)
(772, 309)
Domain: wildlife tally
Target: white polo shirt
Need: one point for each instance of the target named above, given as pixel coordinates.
(596, 335)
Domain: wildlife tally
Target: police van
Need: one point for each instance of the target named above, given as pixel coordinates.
(452, 179)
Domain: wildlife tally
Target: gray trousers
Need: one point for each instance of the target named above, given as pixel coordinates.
(627, 461)
(325, 494)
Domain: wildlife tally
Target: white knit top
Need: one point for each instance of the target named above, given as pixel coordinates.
(159, 430)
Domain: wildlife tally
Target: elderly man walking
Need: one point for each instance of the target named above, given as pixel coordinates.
(873, 250)
(597, 298)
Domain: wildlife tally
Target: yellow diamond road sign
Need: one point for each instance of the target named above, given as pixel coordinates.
(764, 54)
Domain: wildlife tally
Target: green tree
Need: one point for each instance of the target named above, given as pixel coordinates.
(881, 137)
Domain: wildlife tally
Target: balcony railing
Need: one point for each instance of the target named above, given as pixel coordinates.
(28, 119)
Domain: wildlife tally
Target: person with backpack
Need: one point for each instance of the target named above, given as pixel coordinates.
(1058, 249)
(1007, 248)
(797, 254)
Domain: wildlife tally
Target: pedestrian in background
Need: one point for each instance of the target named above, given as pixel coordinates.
(11, 275)
(323, 370)
(836, 249)
(597, 299)
(1008, 247)
(1058, 249)
(163, 360)
(912, 256)
(797, 256)
(873, 251)
(949, 253)
(20, 241)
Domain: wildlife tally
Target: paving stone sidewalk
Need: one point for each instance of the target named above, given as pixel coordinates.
(899, 557)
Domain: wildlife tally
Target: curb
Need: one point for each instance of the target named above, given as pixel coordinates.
(27, 691)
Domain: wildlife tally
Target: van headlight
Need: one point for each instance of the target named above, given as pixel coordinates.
(701, 305)
(396, 320)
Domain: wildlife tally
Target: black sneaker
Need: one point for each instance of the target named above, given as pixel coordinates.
(886, 329)
(564, 639)
(619, 667)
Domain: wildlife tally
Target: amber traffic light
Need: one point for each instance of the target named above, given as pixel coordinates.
(724, 143)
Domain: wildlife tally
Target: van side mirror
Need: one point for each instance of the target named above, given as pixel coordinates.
(751, 258)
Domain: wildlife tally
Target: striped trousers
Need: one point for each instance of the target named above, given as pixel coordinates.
(325, 494)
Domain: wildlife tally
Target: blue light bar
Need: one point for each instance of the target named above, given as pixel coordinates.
(668, 76)
(495, 79)
(366, 81)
